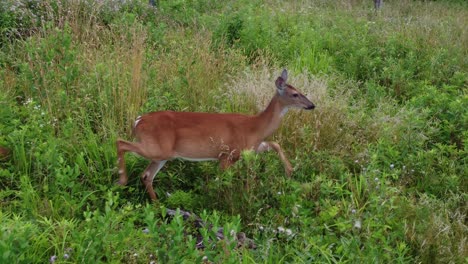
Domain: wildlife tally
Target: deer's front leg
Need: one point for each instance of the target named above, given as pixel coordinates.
(227, 160)
(267, 146)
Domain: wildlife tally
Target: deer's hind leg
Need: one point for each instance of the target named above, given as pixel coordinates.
(148, 176)
(122, 147)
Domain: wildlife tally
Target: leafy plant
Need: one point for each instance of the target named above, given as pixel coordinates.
(379, 165)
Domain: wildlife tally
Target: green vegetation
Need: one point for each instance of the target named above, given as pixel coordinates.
(380, 164)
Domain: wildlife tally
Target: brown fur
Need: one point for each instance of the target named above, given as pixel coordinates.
(166, 135)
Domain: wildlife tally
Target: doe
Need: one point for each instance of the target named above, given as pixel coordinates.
(167, 135)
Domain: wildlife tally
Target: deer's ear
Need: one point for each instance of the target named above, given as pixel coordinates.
(280, 84)
(284, 75)
(281, 81)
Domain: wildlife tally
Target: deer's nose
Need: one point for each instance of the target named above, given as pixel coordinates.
(310, 107)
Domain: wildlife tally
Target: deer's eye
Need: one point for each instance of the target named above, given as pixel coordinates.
(295, 95)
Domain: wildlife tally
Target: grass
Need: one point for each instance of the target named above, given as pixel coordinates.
(380, 164)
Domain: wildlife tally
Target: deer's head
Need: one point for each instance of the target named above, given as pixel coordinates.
(290, 96)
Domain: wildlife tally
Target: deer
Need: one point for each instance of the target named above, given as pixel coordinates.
(196, 136)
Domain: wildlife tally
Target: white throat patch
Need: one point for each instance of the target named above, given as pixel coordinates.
(284, 111)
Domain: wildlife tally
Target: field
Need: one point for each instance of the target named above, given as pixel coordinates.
(380, 166)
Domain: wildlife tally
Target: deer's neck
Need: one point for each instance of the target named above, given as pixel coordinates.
(269, 120)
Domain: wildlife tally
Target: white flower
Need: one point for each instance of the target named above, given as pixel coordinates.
(146, 230)
(357, 224)
(392, 166)
(288, 232)
(353, 211)
(280, 229)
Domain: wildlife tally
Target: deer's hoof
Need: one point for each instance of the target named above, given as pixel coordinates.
(120, 183)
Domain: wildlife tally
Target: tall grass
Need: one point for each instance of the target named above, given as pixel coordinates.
(379, 164)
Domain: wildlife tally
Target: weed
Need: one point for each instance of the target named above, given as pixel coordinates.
(380, 164)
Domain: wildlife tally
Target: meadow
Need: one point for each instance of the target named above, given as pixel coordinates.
(380, 165)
